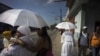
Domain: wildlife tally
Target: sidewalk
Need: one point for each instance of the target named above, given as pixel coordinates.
(56, 44)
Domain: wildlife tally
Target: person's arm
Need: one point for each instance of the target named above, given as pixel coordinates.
(20, 42)
(73, 31)
(90, 40)
(79, 40)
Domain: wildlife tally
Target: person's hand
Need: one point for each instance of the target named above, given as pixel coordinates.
(17, 41)
(13, 40)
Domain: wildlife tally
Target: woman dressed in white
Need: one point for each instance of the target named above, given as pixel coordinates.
(67, 41)
(67, 38)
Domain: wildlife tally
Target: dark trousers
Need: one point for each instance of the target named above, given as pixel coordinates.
(82, 50)
(95, 51)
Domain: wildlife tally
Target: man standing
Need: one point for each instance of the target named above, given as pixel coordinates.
(83, 41)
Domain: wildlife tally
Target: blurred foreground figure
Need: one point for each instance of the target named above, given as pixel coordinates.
(6, 40)
(24, 41)
(44, 44)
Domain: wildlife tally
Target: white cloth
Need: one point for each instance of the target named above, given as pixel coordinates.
(24, 30)
(17, 50)
(67, 40)
(66, 49)
(66, 37)
(84, 34)
(5, 42)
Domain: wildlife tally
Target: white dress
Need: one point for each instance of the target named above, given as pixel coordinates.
(67, 43)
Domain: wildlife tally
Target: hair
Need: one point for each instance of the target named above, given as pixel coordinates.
(98, 29)
(44, 34)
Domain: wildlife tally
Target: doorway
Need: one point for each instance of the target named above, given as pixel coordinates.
(97, 23)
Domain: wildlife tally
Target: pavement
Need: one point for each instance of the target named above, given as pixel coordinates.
(55, 37)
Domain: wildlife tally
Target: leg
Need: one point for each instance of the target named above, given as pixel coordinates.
(80, 51)
(95, 51)
(84, 50)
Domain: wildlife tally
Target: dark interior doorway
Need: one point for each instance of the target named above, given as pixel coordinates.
(97, 23)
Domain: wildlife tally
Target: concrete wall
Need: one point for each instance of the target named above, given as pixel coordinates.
(88, 15)
(91, 18)
(80, 19)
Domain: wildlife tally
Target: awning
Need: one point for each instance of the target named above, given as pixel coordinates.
(76, 7)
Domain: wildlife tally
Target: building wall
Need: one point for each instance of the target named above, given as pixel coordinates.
(88, 15)
(92, 11)
(93, 16)
(88, 19)
(80, 22)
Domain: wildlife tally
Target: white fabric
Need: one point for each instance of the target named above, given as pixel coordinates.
(84, 34)
(5, 42)
(66, 49)
(25, 30)
(16, 17)
(17, 50)
(66, 37)
(65, 25)
(67, 40)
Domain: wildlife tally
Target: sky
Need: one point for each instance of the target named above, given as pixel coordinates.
(49, 10)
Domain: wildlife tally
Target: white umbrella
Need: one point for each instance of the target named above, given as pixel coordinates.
(65, 25)
(16, 17)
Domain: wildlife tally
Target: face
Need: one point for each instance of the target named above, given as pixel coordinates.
(98, 29)
(85, 30)
(72, 19)
(18, 34)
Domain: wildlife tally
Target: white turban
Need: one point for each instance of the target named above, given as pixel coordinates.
(25, 30)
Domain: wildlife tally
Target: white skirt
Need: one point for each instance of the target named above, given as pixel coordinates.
(67, 49)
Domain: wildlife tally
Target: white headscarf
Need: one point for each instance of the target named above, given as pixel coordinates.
(25, 30)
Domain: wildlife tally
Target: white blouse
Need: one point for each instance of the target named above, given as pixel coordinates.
(67, 37)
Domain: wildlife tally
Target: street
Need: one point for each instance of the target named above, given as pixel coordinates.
(55, 37)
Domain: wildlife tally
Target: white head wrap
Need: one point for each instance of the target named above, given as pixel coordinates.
(25, 30)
